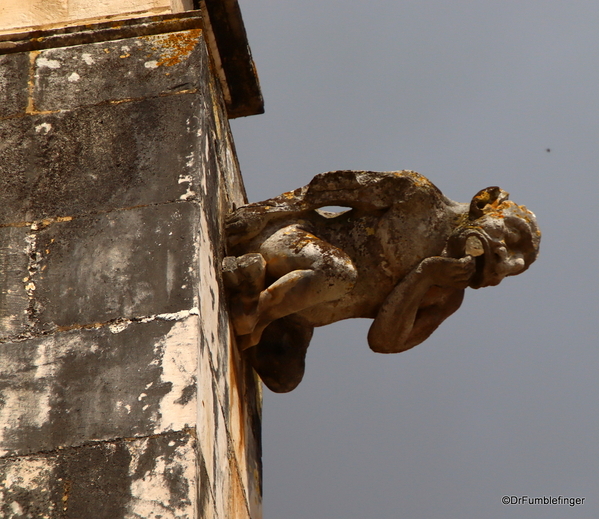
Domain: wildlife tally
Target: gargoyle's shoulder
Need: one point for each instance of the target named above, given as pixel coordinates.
(347, 179)
(380, 186)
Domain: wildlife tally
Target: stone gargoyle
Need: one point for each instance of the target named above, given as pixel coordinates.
(401, 254)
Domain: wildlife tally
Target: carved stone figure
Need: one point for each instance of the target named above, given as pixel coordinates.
(401, 254)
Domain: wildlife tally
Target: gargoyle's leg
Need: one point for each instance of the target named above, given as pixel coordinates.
(308, 271)
(279, 357)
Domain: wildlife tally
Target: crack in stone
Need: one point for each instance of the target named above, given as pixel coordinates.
(119, 324)
(190, 431)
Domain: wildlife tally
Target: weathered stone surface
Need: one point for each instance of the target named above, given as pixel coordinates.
(14, 75)
(229, 405)
(229, 435)
(118, 381)
(122, 156)
(146, 477)
(132, 68)
(119, 265)
(402, 254)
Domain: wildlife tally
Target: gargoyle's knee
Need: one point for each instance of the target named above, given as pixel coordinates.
(339, 274)
(244, 277)
(244, 273)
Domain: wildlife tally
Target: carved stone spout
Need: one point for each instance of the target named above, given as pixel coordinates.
(401, 254)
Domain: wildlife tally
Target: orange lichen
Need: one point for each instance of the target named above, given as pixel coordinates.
(174, 47)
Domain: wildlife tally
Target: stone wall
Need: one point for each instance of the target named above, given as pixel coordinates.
(121, 392)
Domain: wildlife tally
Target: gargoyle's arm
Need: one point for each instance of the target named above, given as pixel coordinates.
(247, 221)
(363, 190)
(419, 303)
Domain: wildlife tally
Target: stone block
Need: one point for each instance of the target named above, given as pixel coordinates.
(131, 68)
(118, 381)
(14, 75)
(120, 265)
(100, 158)
(145, 477)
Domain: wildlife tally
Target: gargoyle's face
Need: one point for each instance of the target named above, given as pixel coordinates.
(508, 242)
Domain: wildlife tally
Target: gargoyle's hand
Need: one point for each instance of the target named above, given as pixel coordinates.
(448, 272)
(245, 223)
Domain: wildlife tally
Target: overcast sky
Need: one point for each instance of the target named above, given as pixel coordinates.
(503, 398)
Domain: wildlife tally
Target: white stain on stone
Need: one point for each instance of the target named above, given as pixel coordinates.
(151, 492)
(206, 417)
(185, 178)
(87, 58)
(151, 64)
(209, 301)
(28, 401)
(119, 327)
(43, 128)
(49, 63)
(45, 360)
(16, 508)
(25, 474)
(175, 316)
(203, 175)
(188, 194)
(120, 406)
(179, 367)
(191, 159)
(171, 264)
(74, 77)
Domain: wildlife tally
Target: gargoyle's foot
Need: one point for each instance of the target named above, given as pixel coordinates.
(244, 278)
(279, 358)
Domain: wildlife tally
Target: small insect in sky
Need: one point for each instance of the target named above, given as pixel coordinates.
(548, 150)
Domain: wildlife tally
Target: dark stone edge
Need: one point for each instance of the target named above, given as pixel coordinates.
(237, 63)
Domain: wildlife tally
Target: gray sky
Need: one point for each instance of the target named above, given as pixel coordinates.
(502, 399)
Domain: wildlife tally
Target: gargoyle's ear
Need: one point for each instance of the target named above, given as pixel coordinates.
(490, 196)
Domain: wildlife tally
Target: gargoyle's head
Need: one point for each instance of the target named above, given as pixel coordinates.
(502, 236)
